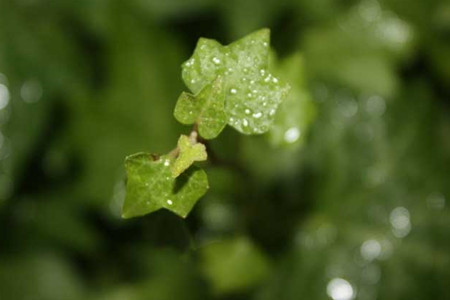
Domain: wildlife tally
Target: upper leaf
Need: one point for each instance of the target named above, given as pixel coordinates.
(206, 109)
(188, 153)
(151, 186)
(252, 93)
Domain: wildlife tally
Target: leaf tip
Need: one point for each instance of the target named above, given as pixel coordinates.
(126, 213)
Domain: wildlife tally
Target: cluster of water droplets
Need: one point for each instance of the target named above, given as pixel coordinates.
(253, 94)
(216, 60)
(188, 69)
(253, 100)
(167, 164)
(165, 181)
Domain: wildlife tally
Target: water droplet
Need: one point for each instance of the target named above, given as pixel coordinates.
(169, 202)
(233, 91)
(247, 111)
(262, 72)
(192, 80)
(265, 44)
(245, 70)
(252, 82)
(249, 95)
(245, 122)
(166, 162)
(257, 115)
(231, 119)
(291, 135)
(216, 60)
(267, 79)
(272, 112)
(274, 80)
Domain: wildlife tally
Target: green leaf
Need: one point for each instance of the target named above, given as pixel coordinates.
(253, 94)
(187, 109)
(151, 186)
(188, 153)
(206, 109)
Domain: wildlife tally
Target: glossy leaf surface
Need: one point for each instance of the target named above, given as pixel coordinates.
(151, 186)
(253, 94)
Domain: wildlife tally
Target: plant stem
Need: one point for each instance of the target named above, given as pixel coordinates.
(194, 138)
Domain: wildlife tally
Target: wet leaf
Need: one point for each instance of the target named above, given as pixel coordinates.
(206, 109)
(253, 94)
(151, 186)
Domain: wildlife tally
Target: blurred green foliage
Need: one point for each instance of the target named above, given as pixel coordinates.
(347, 199)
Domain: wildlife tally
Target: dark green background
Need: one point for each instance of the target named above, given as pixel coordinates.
(356, 210)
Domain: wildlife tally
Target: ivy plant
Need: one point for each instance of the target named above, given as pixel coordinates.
(229, 85)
